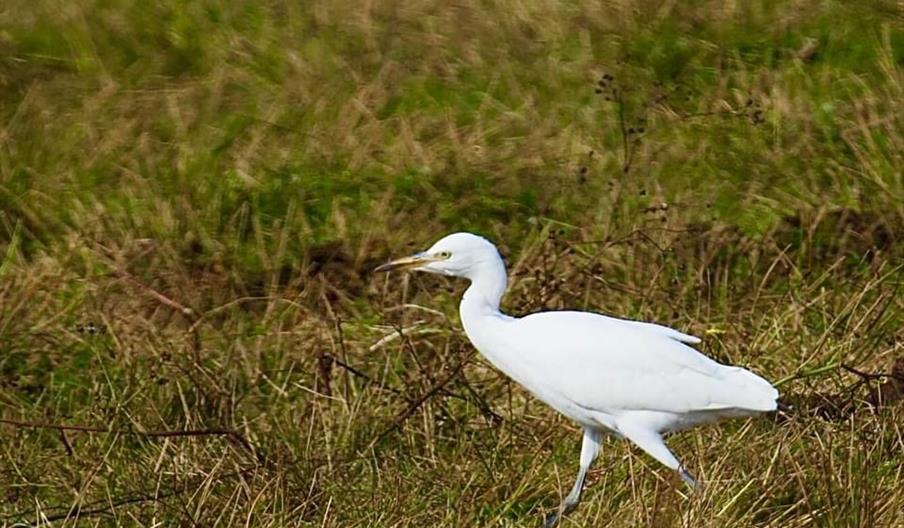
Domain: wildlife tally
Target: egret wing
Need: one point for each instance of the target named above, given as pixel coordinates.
(613, 365)
(655, 328)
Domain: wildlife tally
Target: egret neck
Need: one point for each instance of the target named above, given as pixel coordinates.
(481, 317)
(488, 283)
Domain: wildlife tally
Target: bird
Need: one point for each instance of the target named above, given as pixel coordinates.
(614, 377)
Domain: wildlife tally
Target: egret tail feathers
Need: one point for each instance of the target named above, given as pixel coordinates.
(751, 392)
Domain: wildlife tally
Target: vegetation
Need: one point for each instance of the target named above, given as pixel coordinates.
(193, 194)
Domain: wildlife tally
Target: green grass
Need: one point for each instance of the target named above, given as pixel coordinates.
(193, 194)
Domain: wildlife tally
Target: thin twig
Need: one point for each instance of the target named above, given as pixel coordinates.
(230, 433)
(481, 403)
(366, 377)
(67, 512)
(416, 404)
(65, 441)
(868, 376)
(626, 148)
(167, 301)
(79, 513)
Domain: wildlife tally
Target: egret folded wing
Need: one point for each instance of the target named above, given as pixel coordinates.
(612, 366)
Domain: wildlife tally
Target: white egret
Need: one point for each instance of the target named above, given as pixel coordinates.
(626, 378)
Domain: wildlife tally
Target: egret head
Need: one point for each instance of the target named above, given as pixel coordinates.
(456, 255)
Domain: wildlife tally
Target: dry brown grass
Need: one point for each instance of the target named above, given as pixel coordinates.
(192, 196)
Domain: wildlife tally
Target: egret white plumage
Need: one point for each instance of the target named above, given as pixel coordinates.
(627, 378)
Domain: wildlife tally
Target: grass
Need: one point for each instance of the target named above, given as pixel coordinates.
(192, 195)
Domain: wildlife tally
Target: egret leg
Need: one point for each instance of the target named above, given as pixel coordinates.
(652, 442)
(590, 446)
(688, 478)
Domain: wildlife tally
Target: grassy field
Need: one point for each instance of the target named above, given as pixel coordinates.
(193, 194)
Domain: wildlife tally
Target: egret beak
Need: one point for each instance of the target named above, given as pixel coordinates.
(406, 263)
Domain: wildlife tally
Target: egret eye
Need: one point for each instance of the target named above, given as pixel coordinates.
(445, 255)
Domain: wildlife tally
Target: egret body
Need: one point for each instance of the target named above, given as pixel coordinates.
(630, 379)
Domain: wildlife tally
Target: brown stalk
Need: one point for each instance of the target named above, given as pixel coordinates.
(229, 433)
